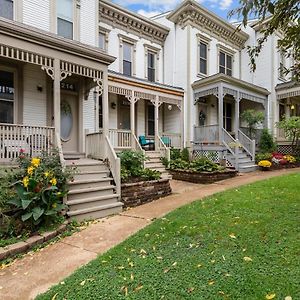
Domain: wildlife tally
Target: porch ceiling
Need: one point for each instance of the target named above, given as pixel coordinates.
(288, 90)
(227, 85)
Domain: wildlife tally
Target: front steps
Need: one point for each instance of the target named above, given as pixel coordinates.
(245, 163)
(92, 193)
(154, 163)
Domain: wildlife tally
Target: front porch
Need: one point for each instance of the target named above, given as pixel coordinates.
(219, 132)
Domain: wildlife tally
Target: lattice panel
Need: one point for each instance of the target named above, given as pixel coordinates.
(214, 156)
(288, 149)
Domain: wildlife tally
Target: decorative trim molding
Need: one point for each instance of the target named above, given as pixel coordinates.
(156, 52)
(190, 12)
(119, 17)
(124, 39)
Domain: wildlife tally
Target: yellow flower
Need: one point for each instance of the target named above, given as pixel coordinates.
(59, 194)
(265, 164)
(25, 181)
(35, 162)
(30, 170)
(46, 174)
(291, 159)
(53, 181)
(54, 205)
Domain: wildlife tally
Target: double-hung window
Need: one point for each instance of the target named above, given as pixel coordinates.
(225, 63)
(203, 57)
(102, 41)
(282, 65)
(127, 58)
(7, 9)
(151, 66)
(65, 18)
(7, 96)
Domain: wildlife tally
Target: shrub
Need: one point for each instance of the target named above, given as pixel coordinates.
(252, 118)
(204, 165)
(266, 143)
(185, 154)
(175, 154)
(40, 185)
(291, 127)
(149, 174)
(179, 164)
(263, 156)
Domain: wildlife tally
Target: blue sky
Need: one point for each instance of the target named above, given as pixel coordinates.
(152, 7)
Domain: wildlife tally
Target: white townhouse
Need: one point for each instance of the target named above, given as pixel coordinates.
(91, 78)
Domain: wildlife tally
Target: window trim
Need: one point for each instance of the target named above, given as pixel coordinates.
(227, 52)
(156, 52)
(204, 40)
(281, 62)
(105, 32)
(124, 39)
(17, 10)
(16, 90)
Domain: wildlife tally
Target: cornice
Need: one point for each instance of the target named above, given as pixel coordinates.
(119, 17)
(47, 39)
(192, 13)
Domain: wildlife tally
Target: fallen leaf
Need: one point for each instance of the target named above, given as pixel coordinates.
(62, 283)
(166, 270)
(131, 276)
(221, 293)
(138, 288)
(270, 296)
(131, 264)
(247, 258)
(143, 251)
(288, 298)
(191, 289)
(54, 297)
(82, 283)
(232, 235)
(159, 257)
(174, 264)
(199, 266)
(121, 268)
(211, 282)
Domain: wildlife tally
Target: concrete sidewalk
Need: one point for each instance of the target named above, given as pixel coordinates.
(36, 272)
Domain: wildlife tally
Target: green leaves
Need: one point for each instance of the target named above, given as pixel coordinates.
(37, 212)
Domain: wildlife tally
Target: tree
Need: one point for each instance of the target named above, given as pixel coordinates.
(291, 127)
(278, 15)
(252, 118)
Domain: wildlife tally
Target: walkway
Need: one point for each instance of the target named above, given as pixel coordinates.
(36, 272)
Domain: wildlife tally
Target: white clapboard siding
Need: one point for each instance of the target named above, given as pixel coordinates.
(89, 113)
(172, 120)
(88, 24)
(35, 102)
(113, 112)
(37, 13)
(141, 119)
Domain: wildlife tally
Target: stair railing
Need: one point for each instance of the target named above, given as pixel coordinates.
(163, 149)
(60, 150)
(247, 144)
(114, 165)
(232, 145)
(138, 147)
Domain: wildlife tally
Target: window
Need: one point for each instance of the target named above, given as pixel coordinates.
(225, 63)
(150, 120)
(102, 42)
(65, 18)
(282, 65)
(151, 66)
(203, 57)
(7, 9)
(127, 59)
(7, 94)
(227, 116)
(100, 112)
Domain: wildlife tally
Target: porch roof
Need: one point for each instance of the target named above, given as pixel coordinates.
(232, 86)
(287, 89)
(41, 39)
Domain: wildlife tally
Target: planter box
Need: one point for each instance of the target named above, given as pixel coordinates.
(138, 193)
(203, 177)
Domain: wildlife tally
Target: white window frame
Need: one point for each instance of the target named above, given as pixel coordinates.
(124, 39)
(16, 85)
(282, 64)
(204, 40)
(228, 52)
(156, 52)
(17, 10)
(105, 32)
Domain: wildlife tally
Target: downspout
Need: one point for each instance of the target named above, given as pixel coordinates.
(188, 89)
(272, 103)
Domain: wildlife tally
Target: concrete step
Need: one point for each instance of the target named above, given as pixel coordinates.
(82, 168)
(154, 165)
(153, 154)
(90, 183)
(91, 192)
(73, 156)
(153, 160)
(86, 175)
(86, 203)
(96, 212)
(248, 168)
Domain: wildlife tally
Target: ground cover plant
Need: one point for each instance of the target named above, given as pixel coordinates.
(132, 167)
(239, 244)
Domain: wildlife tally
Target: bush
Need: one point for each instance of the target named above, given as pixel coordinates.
(185, 154)
(132, 167)
(252, 118)
(204, 165)
(266, 143)
(179, 164)
(39, 186)
(263, 156)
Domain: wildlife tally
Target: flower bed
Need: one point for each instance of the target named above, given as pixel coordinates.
(138, 193)
(202, 177)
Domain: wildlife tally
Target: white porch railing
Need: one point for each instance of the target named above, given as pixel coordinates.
(174, 139)
(120, 139)
(33, 139)
(163, 149)
(99, 147)
(206, 134)
(247, 143)
(229, 142)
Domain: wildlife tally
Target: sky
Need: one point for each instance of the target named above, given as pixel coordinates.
(153, 7)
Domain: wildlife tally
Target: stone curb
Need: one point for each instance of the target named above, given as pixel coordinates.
(24, 246)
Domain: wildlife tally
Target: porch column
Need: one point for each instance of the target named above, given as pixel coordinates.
(156, 123)
(105, 106)
(56, 96)
(237, 115)
(132, 99)
(220, 111)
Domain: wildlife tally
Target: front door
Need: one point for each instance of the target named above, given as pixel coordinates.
(124, 114)
(69, 123)
(227, 116)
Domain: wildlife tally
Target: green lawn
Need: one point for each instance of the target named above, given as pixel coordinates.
(241, 244)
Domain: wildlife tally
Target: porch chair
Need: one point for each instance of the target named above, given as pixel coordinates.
(166, 140)
(145, 143)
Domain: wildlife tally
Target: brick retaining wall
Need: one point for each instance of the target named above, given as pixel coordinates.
(203, 177)
(134, 194)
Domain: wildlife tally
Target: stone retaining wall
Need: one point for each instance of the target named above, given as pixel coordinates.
(134, 194)
(203, 177)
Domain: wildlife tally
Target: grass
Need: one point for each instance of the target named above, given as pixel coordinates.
(240, 244)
